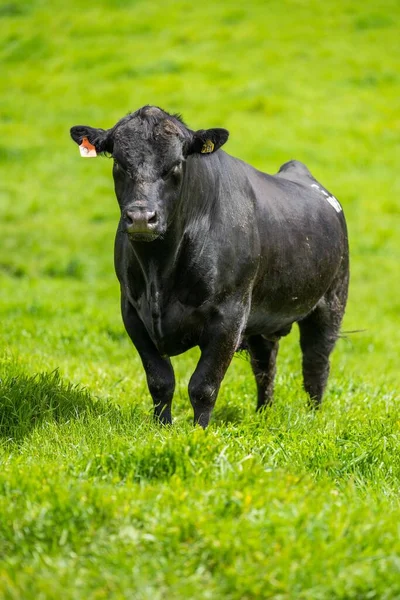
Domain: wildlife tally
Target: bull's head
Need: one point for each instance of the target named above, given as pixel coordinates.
(149, 148)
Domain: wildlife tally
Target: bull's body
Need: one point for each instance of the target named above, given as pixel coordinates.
(243, 255)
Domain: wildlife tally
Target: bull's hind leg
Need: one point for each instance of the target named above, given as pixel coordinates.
(318, 334)
(263, 361)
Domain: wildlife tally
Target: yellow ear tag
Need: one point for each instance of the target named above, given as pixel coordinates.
(87, 149)
(208, 147)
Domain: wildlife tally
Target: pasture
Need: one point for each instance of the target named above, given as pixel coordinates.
(96, 501)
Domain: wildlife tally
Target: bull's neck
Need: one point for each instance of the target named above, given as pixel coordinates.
(199, 196)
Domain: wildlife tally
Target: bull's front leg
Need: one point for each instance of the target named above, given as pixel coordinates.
(159, 372)
(219, 342)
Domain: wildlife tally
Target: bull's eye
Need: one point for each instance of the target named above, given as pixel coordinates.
(173, 172)
(118, 168)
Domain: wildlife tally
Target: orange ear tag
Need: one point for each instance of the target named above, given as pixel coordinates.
(87, 149)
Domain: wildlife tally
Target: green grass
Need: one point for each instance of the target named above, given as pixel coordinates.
(98, 502)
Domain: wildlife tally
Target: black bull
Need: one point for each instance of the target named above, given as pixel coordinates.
(210, 252)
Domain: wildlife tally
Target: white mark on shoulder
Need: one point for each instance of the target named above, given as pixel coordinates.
(331, 199)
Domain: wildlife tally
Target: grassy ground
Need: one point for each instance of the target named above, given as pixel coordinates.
(96, 501)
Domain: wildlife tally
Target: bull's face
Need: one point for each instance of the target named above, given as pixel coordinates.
(149, 148)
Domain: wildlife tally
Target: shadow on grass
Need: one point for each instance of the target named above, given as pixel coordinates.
(227, 415)
(28, 401)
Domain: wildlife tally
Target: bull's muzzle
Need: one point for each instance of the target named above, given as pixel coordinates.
(141, 222)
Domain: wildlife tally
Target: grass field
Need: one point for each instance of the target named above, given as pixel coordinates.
(95, 500)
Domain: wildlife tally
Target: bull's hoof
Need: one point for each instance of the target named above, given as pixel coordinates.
(163, 418)
(314, 403)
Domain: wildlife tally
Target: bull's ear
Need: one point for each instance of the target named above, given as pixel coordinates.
(206, 141)
(101, 139)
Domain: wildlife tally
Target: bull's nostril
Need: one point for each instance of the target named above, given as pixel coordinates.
(152, 218)
(129, 217)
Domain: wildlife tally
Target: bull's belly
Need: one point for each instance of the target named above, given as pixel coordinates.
(275, 308)
(175, 327)
(269, 325)
(278, 301)
(173, 336)
(175, 330)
